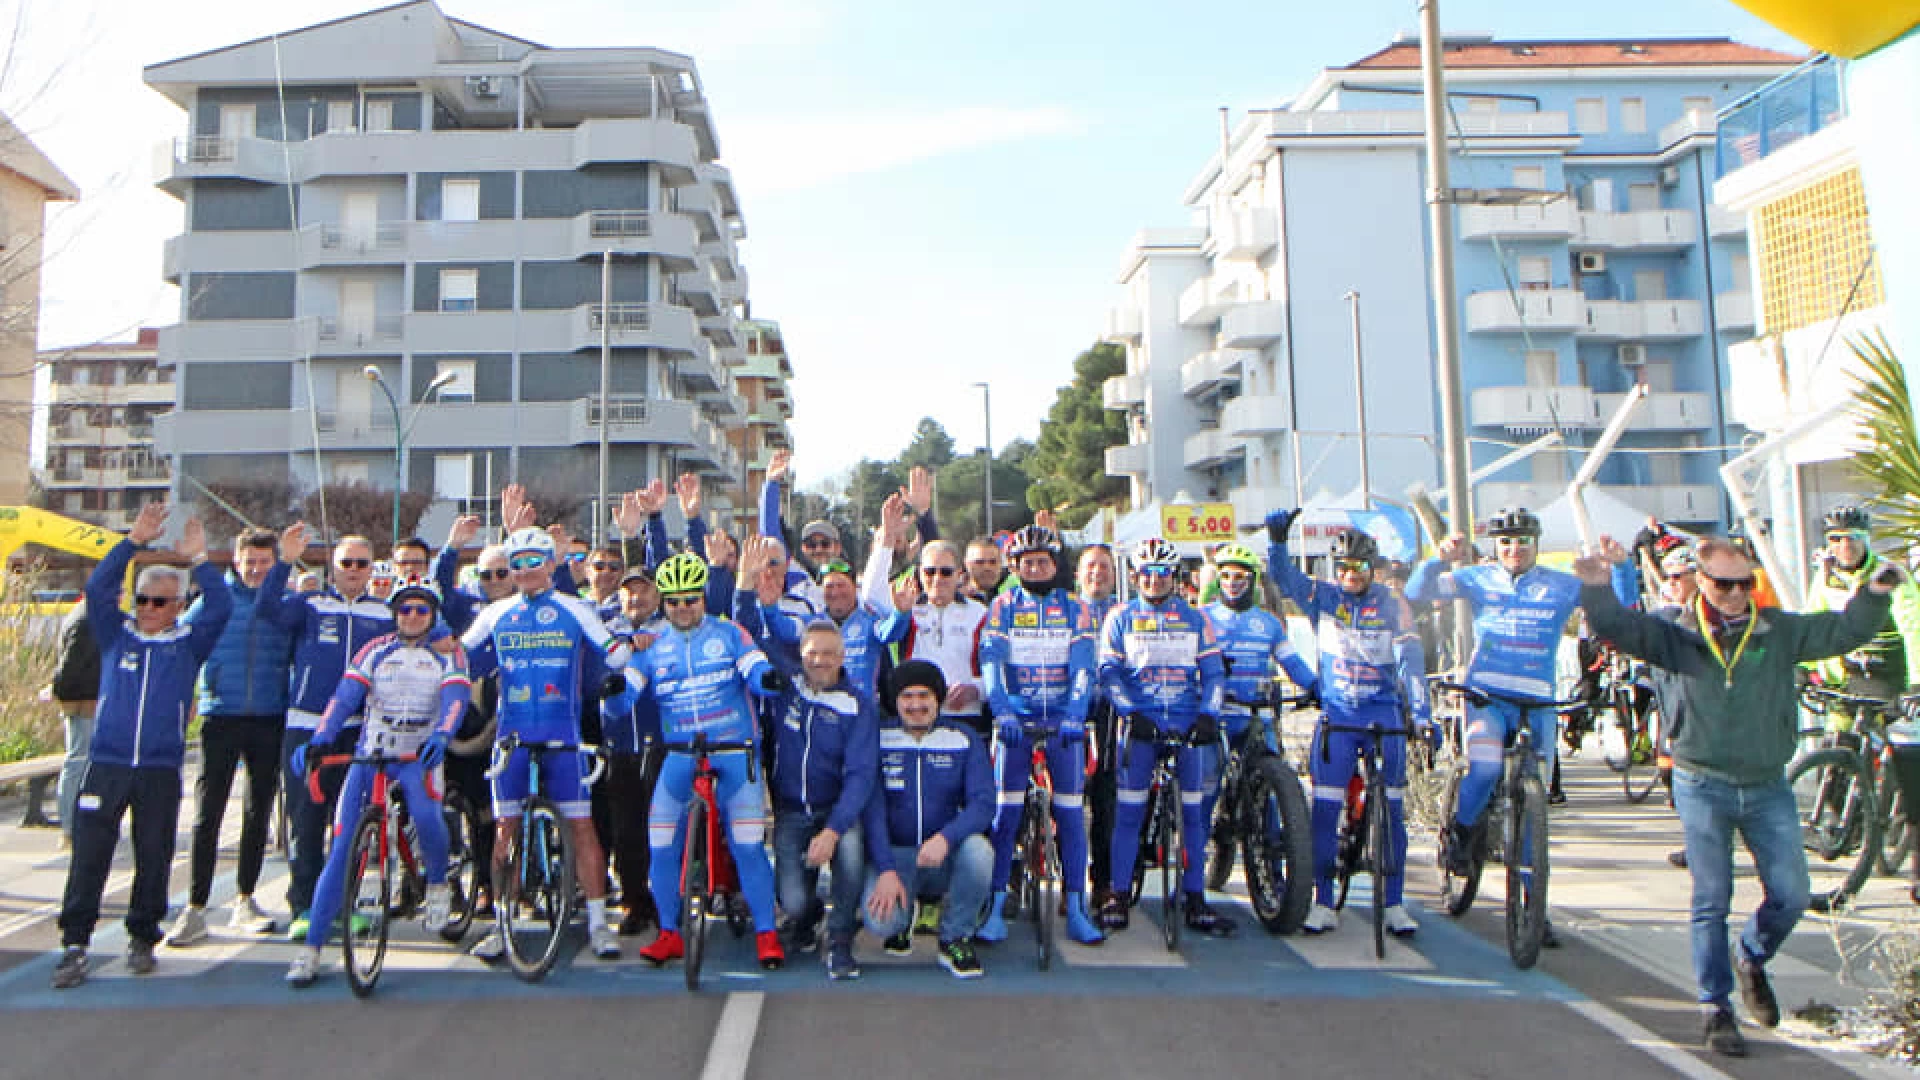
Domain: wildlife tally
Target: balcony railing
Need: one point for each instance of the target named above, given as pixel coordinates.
(619, 318)
(622, 411)
(382, 236)
(332, 328)
(611, 224)
(205, 148)
(155, 470)
(1781, 113)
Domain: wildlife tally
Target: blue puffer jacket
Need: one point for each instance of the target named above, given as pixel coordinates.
(826, 748)
(146, 682)
(247, 673)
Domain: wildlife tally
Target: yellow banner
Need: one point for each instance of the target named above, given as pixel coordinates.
(1198, 523)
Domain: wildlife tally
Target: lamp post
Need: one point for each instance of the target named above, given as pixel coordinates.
(986, 415)
(400, 430)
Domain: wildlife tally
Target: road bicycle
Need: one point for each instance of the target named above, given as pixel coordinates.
(1626, 692)
(1833, 787)
(708, 883)
(536, 892)
(1517, 815)
(385, 880)
(1162, 843)
(1035, 886)
(1262, 817)
(1365, 840)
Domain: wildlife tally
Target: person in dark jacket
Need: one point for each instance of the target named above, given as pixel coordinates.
(243, 713)
(76, 682)
(148, 664)
(1734, 664)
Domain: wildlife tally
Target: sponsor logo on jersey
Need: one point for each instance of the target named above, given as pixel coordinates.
(714, 649)
(545, 616)
(519, 695)
(1026, 618)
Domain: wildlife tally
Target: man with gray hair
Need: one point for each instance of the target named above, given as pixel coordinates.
(148, 665)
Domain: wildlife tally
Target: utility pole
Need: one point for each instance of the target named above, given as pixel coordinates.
(1360, 401)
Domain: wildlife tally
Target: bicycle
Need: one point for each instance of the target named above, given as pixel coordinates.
(383, 844)
(707, 878)
(1162, 843)
(1365, 840)
(536, 893)
(1035, 885)
(1626, 692)
(463, 865)
(1262, 816)
(1519, 804)
(1833, 786)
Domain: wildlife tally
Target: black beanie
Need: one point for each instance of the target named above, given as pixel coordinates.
(916, 673)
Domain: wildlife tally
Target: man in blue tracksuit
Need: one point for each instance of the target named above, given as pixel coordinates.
(147, 668)
(328, 628)
(865, 631)
(1520, 611)
(243, 720)
(1160, 661)
(825, 760)
(1371, 668)
(1036, 663)
(927, 821)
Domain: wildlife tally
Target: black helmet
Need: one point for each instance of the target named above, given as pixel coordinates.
(1514, 521)
(1848, 519)
(1354, 544)
(1034, 539)
(415, 589)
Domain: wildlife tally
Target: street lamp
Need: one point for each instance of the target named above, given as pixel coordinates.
(986, 415)
(400, 430)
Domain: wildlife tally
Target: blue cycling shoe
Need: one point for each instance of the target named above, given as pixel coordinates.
(993, 929)
(1081, 926)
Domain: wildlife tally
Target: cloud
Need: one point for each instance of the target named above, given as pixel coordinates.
(792, 154)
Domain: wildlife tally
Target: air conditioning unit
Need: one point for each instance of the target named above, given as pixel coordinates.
(1670, 176)
(483, 86)
(1633, 356)
(1593, 262)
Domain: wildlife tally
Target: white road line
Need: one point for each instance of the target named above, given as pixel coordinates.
(1647, 1042)
(733, 1038)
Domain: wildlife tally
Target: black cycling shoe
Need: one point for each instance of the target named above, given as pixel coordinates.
(1202, 919)
(1459, 850)
(1113, 913)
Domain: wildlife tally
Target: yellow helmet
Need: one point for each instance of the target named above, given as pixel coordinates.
(682, 573)
(1237, 555)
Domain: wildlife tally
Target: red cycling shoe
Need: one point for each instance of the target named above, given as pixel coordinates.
(772, 956)
(666, 946)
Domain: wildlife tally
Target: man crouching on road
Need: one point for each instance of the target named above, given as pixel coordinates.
(1735, 666)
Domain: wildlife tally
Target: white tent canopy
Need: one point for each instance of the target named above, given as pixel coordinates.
(1610, 517)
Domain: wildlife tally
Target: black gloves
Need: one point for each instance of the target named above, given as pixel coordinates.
(1205, 730)
(1142, 727)
(773, 682)
(613, 686)
(1279, 523)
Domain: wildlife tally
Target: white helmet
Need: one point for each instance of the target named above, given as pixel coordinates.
(530, 541)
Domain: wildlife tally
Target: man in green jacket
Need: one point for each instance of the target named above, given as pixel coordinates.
(1734, 665)
(1889, 664)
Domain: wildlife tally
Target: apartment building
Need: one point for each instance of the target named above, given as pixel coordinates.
(101, 465)
(763, 386)
(28, 182)
(404, 203)
(1590, 258)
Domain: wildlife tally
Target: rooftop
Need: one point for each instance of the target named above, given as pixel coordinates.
(1486, 52)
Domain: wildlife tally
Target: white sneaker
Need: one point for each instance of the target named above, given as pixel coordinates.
(249, 918)
(492, 946)
(1399, 923)
(1321, 919)
(189, 929)
(305, 966)
(439, 907)
(604, 942)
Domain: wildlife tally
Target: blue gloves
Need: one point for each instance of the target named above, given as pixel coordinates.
(298, 759)
(1011, 732)
(434, 750)
(1279, 523)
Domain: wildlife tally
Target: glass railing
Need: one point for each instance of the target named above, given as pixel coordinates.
(1781, 113)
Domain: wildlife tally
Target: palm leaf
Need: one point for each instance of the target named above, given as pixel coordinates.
(1891, 463)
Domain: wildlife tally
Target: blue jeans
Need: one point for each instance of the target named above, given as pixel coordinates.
(963, 880)
(799, 884)
(73, 771)
(1768, 821)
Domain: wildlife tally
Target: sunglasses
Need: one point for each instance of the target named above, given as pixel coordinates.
(527, 562)
(1514, 541)
(576, 556)
(816, 542)
(492, 575)
(837, 566)
(938, 571)
(682, 601)
(1728, 584)
(413, 609)
(1155, 570)
(604, 566)
(1357, 566)
(353, 564)
(409, 562)
(143, 600)
(1681, 576)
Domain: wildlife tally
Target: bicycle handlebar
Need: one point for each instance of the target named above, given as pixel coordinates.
(1821, 697)
(376, 759)
(504, 747)
(1481, 697)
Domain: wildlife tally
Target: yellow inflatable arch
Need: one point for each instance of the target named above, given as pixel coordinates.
(1848, 28)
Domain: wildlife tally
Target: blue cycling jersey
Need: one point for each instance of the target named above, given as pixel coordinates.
(1036, 656)
(1517, 622)
(1254, 643)
(1369, 651)
(1162, 661)
(701, 680)
(551, 651)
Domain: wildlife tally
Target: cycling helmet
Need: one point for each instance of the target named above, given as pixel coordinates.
(1514, 521)
(1154, 551)
(1034, 539)
(530, 541)
(1237, 555)
(1679, 560)
(1354, 544)
(1848, 519)
(415, 589)
(682, 573)
(382, 571)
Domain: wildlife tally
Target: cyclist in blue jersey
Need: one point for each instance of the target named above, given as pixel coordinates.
(1160, 662)
(547, 646)
(701, 673)
(1520, 610)
(1036, 661)
(1371, 667)
(413, 697)
(1253, 641)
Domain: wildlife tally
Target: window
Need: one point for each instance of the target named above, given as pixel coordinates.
(453, 476)
(1649, 285)
(459, 290)
(340, 117)
(1633, 115)
(379, 116)
(1543, 367)
(1643, 197)
(1699, 111)
(1533, 177)
(460, 200)
(1590, 116)
(1536, 272)
(1597, 196)
(460, 389)
(350, 472)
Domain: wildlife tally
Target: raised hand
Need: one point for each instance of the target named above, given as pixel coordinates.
(562, 538)
(1456, 549)
(777, 466)
(896, 519)
(1593, 568)
(920, 489)
(465, 528)
(148, 524)
(513, 504)
(630, 516)
(688, 488)
(1045, 519)
(193, 539)
(653, 498)
(293, 542)
(1611, 550)
(721, 550)
(906, 592)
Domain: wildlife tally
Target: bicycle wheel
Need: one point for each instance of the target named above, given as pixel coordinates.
(1147, 852)
(1526, 869)
(696, 897)
(368, 892)
(1642, 773)
(1457, 892)
(1172, 859)
(1276, 844)
(1380, 859)
(1222, 836)
(463, 870)
(1038, 870)
(1842, 839)
(1896, 835)
(541, 876)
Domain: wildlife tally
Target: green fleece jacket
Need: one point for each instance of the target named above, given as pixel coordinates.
(1742, 729)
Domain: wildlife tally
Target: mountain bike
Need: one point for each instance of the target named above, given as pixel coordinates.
(1365, 840)
(1262, 817)
(1626, 691)
(708, 883)
(1833, 786)
(537, 892)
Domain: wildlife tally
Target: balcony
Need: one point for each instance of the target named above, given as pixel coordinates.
(633, 419)
(1213, 369)
(1203, 302)
(1645, 320)
(1668, 502)
(1133, 459)
(1700, 122)
(1642, 230)
(1539, 311)
(1123, 326)
(1123, 391)
(1535, 409)
(695, 289)
(233, 339)
(1255, 415)
(1410, 122)
(1790, 108)
(335, 335)
(1543, 221)
(1663, 410)
(149, 472)
(1245, 234)
(720, 329)
(1253, 325)
(1734, 310)
(1251, 503)
(669, 237)
(1723, 223)
(378, 244)
(1208, 448)
(642, 325)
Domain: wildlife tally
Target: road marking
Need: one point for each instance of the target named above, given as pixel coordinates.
(1647, 1042)
(733, 1038)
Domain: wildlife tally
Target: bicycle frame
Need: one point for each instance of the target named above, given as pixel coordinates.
(393, 838)
(718, 858)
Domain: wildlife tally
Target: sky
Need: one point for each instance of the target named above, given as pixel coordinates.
(935, 195)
